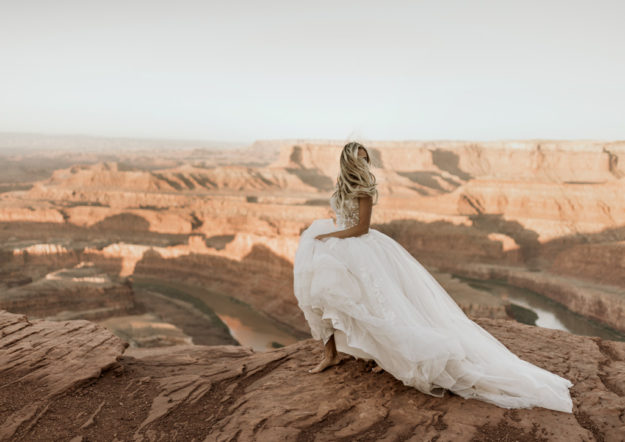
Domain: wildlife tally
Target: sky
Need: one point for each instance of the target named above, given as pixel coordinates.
(249, 70)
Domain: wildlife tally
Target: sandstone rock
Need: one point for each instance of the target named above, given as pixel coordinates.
(226, 392)
(40, 360)
(12, 214)
(595, 262)
(80, 292)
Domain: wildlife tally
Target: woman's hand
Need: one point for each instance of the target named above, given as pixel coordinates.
(322, 236)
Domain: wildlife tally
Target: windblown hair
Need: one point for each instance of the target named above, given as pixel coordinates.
(355, 178)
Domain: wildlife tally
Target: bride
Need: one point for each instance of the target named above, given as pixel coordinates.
(363, 294)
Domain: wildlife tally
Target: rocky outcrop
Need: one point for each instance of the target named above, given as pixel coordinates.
(549, 160)
(12, 214)
(108, 175)
(80, 292)
(41, 360)
(55, 384)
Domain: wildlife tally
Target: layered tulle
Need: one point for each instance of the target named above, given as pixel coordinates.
(382, 304)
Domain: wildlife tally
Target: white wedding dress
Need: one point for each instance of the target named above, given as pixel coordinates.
(382, 304)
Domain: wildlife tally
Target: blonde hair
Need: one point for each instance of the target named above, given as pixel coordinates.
(355, 178)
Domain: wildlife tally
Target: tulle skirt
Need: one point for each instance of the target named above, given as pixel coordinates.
(382, 304)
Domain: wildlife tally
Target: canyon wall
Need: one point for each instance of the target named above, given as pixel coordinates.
(550, 210)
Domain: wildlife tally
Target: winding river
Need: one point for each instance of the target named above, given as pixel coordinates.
(255, 329)
(535, 309)
(247, 325)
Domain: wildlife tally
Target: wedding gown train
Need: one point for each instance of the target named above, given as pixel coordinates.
(382, 304)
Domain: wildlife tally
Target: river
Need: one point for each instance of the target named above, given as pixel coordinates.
(257, 330)
(247, 325)
(535, 309)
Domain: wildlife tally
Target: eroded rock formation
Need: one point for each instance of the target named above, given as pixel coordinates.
(73, 380)
(80, 292)
(547, 215)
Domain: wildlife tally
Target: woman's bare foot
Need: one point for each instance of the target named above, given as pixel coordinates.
(377, 369)
(325, 363)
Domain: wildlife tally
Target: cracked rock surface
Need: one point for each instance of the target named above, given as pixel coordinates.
(75, 380)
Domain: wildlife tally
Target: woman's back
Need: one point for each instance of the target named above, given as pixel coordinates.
(348, 215)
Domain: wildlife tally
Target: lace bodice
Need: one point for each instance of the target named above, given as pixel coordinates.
(348, 217)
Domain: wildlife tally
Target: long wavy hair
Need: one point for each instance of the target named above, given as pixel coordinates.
(355, 178)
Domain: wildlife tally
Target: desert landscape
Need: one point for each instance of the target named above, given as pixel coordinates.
(162, 272)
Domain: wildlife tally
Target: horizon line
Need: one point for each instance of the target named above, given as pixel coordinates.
(288, 139)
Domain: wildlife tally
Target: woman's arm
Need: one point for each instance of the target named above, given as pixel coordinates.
(365, 205)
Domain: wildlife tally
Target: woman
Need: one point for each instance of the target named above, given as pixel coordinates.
(363, 294)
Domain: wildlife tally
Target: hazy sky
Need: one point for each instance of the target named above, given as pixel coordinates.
(245, 70)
